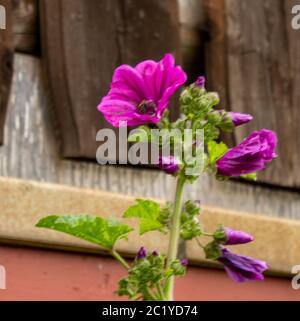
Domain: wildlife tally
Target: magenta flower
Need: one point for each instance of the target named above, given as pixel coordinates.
(141, 94)
(142, 253)
(233, 237)
(200, 82)
(250, 156)
(242, 268)
(184, 262)
(169, 164)
(239, 118)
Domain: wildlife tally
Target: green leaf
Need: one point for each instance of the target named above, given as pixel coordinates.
(250, 177)
(94, 229)
(149, 213)
(216, 150)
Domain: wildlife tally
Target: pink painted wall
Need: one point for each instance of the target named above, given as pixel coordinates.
(34, 274)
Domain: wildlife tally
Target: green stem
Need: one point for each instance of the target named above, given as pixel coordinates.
(199, 243)
(160, 292)
(149, 295)
(174, 237)
(119, 258)
(207, 234)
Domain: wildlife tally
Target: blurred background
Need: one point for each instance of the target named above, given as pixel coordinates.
(57, 59)
(56, 62)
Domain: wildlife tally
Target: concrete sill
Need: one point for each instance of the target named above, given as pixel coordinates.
(23, 203)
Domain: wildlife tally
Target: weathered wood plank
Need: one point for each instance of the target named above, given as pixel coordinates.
(216, 66)
(254, 59)
(259, 82)
(6, 64)
(192, 34)
(25, 26)
(30, 152)
(215, 48)
(83, 42)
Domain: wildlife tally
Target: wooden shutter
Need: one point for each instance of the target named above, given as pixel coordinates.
(253, 60)
(83, 41)
(6, 64)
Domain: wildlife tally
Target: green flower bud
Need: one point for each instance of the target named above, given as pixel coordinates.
(178, 268)
(212, 250)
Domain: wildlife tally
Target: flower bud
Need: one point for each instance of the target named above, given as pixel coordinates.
(142, 253)
(239, 118)
(250, 156)
(200, 82)
(169, 164)
(233, 237)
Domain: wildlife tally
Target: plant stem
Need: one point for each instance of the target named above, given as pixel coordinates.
(174, 237)
(160, 292)
(199, 243)
(119, 258)
(149, 295)
(207, 234)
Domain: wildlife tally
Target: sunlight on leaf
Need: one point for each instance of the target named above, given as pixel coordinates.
(94, 229)
(149, 212)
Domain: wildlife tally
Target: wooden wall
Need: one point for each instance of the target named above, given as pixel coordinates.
(31, 147)
(31, 152)
(253, 60)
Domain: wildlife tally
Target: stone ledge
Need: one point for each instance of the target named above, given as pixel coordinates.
(23, 203)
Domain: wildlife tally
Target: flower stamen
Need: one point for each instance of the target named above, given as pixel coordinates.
(147, 107)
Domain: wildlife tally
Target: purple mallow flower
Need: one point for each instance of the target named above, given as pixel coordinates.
(142, 253)
(233, 237)
(200, 82)
(250, 156)
(141, 94)
(242, 268)
(184, 262)
(239, 118)
(169, 164)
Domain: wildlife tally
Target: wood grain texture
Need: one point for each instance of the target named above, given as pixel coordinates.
(6, 64)
(30, 152)
(215, 47)
(256, 70)
(192, 37)
(25, 26)
(83, 42)
(216, 66)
